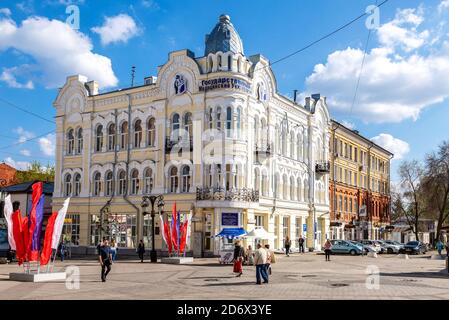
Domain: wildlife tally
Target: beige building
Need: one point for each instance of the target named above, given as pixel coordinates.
(210, 133)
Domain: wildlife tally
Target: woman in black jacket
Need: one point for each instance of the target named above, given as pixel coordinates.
(239, 254)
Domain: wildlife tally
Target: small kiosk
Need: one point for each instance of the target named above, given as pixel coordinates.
(228, 237)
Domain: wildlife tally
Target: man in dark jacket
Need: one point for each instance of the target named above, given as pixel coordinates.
(141, 250)
(105, 258)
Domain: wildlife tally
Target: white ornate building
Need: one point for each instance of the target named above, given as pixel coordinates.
(211, 133)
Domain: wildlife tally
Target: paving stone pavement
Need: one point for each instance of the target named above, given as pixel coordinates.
(300, 276)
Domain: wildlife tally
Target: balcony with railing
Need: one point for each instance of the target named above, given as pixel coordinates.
(221, 194)
(323, 167)
(263, 151)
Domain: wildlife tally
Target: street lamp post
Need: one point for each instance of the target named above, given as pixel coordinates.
(146, 202)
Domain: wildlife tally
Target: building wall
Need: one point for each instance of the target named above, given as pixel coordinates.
(360, 173)
(7, 175)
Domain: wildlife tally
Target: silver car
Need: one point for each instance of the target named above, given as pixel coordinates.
(390, 246)
(373, 245)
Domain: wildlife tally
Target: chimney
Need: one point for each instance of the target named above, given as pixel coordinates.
(307, 104)
(92, 87)
(295, 96)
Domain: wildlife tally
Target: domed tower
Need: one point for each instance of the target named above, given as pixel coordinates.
(224, 38)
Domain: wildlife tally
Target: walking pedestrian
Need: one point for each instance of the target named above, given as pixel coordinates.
(260, 259)
(327, 250)
(287, 245)
(114, 249)
(270, 258)
(250, 256)
(239, 253)
(301, 244)
(439, 247)
(105, 258)
(141, 250)
(62, 251)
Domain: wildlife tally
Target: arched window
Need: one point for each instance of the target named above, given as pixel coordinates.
(285, 187)
(186, 179)
(239, 122)
(218, 174)
(175, 127)
(79, 141)
(70, 142)
(264, 184)
(219, 120)
(228, 122)
(229, 177)
(77, 185)
(97, 184)
(219, 63)
(188, 125)
(292, 188)
(121, 182)
(299, 190)
(306, 191)
(256, 131)
(135, 181)
(148, 181)
(99, 138)
(278, 140)
(211, 63)
(229, 63)
(256, 180)
(109, 183)
(137, 133)
(209, 175)
(173, 180)
(299, 154)
(68, 185)
(151, 132)
(239, 64)
(292, 145)
(124, 135)
(210, 119)
(111, 137)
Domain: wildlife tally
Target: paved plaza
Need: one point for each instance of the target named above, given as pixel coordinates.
(305, 276)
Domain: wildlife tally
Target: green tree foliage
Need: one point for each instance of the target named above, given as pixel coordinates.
(36, 172)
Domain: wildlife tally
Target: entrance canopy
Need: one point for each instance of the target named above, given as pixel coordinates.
(232, 233)
(260, 233)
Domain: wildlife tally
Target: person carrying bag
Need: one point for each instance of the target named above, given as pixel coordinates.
(239, 253)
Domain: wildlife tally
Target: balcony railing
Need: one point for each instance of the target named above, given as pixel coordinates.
(221, 194)
(184, 143)
(263, 151)
(323, 167)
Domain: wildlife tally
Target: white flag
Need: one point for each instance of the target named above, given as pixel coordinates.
(59, 224)
(8, 210)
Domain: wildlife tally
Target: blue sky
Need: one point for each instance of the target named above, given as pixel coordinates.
(402, 100)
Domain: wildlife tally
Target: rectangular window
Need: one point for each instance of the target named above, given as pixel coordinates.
(356, 154)
(285, 227)
(122, 228)
(71, 229)
(298, 228)
(259, 221)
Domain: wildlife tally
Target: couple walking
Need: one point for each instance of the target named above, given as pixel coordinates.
(263, 258)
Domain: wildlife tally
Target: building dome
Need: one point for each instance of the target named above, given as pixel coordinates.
(223, 38)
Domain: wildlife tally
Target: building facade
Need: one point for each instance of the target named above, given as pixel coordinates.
(210, 133)
(359, 186)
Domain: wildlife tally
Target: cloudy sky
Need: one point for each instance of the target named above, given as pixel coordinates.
(402, 96)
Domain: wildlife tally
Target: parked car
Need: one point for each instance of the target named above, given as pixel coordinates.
(414, 247)
(400, 245)
(367, 248)
(375, 246)
(344, 246)
(389, 247)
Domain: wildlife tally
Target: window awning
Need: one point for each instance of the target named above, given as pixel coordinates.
(232, 233)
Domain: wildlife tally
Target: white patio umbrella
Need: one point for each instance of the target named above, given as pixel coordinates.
(260, 233)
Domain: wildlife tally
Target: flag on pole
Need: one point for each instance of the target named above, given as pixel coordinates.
(168, 236)
(178, 231)
(26, 238)
(185, 230)
(47, 249)
(174, 228)
(36, 216)
(19, 236)
(8, 211)
(59, 224)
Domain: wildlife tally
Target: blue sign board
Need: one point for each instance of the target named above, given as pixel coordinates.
(304, 227)
(229, 219)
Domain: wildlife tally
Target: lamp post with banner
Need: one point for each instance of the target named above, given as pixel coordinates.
(146, 202)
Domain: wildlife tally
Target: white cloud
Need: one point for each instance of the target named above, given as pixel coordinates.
(348, 124)
(19, 165)
(116, 29)
(396, 146)
(25, 152)
(444, 4)
(47, 144)
(5, 11)
(23, 134)
(397, 82)
(402, 31)
(58, 50)
(150, 4)
(9, 76)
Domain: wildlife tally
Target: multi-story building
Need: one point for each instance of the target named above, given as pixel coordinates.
(359, 186)
(210, 133)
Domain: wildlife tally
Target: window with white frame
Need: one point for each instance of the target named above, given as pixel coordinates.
(97, 184)
(121, 182)
(77, 185)
(111, 137)
(70, 142)
(148, 181)
(71, 229)
(79, 141)
(175, 127)
(124, 135)
(99, 138)
(109, 183)
(135, 182)
(186, 179)
(151, 132)
(68, 185)
(173, 187)
(137, 133)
